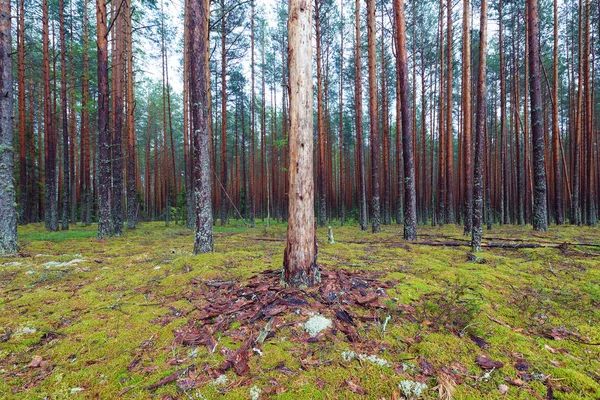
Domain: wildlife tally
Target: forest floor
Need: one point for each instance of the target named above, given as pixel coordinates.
(139, 317)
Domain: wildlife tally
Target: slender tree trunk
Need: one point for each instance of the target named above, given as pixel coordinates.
(23, 200)
(86, 205)
(300, 257)
(51, 206)
(199, 12)
(576, 201)
(540, 215)
(223, 118)
(442, 181)
(558, 199)
(130, 123)
(187, 140)
(322, 203)
(373, 116)
(263, 131)
(251, 178)
(467, 114)
(65, 120)
(341, 128)
(450, 206)
(480, 134)
(362, 185)
(105, 220)
(589, 124)
(386, 132)
(410, 197)
(117, 113)
(8, 211)
(503, 140)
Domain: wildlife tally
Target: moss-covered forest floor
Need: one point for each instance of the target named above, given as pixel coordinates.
(107, 319)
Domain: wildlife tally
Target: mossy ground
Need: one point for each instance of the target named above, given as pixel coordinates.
(105, 305)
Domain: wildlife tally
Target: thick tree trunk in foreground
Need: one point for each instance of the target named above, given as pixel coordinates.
(480, 135)
(198, 19)
(362, 184)
(410, 197)
(373, 116)
(8, 211)
(540, 214)
(105, 221)
(300, 256)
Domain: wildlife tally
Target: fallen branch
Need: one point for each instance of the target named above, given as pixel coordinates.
(168, 379)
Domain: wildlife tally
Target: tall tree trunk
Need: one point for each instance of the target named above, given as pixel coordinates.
(263, 130)
(130, 123)
(199, 12)
(117, 139)
(322, 216)
(450, 206)
(385, 199)
(22, 109)
(187, 140)
(86, 206)
(480, 134)
(467, 114)
(558, 199)
(105, 220)
(300, 257)
(540, 215)
(362, 184)
(51, 205)
(373, 116)
(341, 128)
(223, 118)
(577, 142)
(8, 211)
(503, 130)
(589, 122)
(410, 197)
(65, 120)
(251, 178)
(442, 182)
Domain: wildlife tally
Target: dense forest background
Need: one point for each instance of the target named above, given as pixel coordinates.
(55, 72)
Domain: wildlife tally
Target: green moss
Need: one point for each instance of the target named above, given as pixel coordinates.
(108, 310)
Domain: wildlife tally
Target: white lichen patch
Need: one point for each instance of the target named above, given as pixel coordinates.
(316, 324)
(25, 331)
(350, 355)
(14, 264)
(56, 264)
(412, 389)
(255, 392)
(221, 380)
